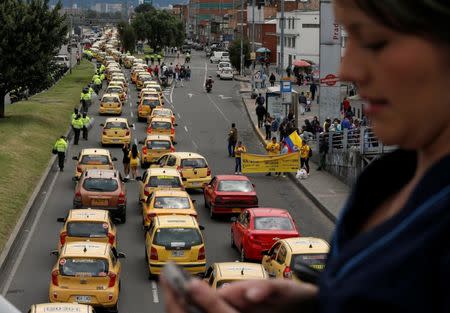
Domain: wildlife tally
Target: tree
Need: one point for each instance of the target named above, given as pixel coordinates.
(144, 7)
(31, 35)
(235, 53)
(127, 36)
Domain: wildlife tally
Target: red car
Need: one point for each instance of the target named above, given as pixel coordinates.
(257, 229)
(227, 194)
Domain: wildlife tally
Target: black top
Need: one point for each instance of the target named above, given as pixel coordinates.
(403, 264)
(126, 152)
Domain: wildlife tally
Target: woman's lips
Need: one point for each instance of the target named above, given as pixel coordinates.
(375, 105)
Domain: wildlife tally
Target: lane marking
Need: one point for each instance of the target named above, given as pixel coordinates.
(195, 145)
(29, 236)
(217, 107)
(130, 104)
(131, 113)
(186, 129)
(135, 141)
(155, 292)
(134, 127)
(171, 94)
(190, 95)
(224, 97)
(179, 116)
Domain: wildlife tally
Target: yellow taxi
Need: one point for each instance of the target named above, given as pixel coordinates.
(193, 168)
(112, 72)
(161, 126)
(162, 112)
(150, 92)
(110, 104)
(156, 178)
(120, 78)
(141, 78)
(114, 89)
(146, 105)
(116, 131)
(154, 147)
(175, 238)
(167, 202)
(155, 85)
(128, 61)
(135, 73)
(87, 273)
(285, 253)
(219, 275)
(87, 224)
(119, 83)
(93, 158)
(61, 308)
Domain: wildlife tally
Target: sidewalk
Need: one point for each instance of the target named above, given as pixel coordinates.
(326, 191)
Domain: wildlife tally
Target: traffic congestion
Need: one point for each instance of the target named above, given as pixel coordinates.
(173, 188)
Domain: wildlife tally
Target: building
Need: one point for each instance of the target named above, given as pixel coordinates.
(302, 37)
(107, 7)
(264, 29)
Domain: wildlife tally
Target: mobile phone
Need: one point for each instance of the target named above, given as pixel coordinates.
(306, 273)
(177, 278)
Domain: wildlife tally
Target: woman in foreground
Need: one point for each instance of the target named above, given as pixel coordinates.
(390, 250)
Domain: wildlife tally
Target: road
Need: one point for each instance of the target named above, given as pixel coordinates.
(203, 122)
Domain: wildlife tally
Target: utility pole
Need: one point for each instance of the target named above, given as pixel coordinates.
(253, 46)
(281, 61)
(241, 70)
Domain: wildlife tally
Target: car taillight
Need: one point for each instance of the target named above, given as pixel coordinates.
(62, 237)
(144, 150)
(153, 254)
(208, 172)
(79, 169)
(104, 133)
(149, 130)
(78, 197)
(121, 199)
(112, 279)
(201, 253)
(151, 215)
(55, 274)
(172, 149)
(146, 191)
(172, 131)
(287, 273)
(127, 133)
(111, 238)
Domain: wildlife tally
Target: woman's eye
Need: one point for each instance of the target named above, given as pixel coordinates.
(375, 46)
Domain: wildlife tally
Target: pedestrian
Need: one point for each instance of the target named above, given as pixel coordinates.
(60, 148)
(260, 113)
(98, 84)
(74, 114)
(77, 125)
(188, 73)
(305, 154)
(232, 139)
(268, 126)
(263, 80)
(134, 156)
(282, 129)
(78, 57)
(316, 125)
(323, 150)
(126, 159)
(313, 90)
(289, 70)
(272, 79)
(273, 148)
(303, 102)
(345, 105)
(238, 150)
(86, 124)
(284, 150)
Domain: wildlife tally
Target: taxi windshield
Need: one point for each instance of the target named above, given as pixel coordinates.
(114, 89)
(316, 261)
(194, 163)
(158, 144)
(95, 160)
(119, 125)
(161, 125)
(162, 113)
(110, 99)
(223, 283)
(87, 229)
(151, 103)
(177, 237)
(83, 267)
(164, 181)
(171, 203)
(235, 186)
(100, 184)
(273, 222)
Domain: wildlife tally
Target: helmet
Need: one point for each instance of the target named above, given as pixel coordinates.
(85, 89)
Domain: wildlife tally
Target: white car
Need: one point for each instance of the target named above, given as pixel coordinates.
(226, 73)
(220, 56)
(63, 60)
(221, 65)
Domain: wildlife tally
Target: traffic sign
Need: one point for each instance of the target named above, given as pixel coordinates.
(329, 80)
(285, 86)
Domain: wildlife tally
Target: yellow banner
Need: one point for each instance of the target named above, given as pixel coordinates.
(255, 163)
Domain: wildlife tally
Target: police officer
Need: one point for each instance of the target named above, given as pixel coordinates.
(86, 121)
(61, 147)
(85, 99)
(77, 125)
(102, 68)
(97, 84)
(74, 114)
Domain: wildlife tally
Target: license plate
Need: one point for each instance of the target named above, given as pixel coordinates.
(195, 184)
(177, 253)
(83, 299)
(102, 202)
(116, 140)
(236, 210)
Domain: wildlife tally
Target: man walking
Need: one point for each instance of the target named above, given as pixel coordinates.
(60, 147)
(238, 157)
(232, 139)
(272, 79)
(303, 102)
(323, 150)
(86, 121)
(273, 148)
(305, 154)
(313, 90)
(77, 125)
(260, 113)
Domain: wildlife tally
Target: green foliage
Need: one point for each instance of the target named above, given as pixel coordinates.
(144, 7)
(159, 28)
(235, 52)
(31, 35)
(127, 36)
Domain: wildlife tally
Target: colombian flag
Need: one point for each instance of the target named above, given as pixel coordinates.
(293, 140)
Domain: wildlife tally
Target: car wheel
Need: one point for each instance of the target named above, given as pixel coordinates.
(243, 257)
(123, 216)
(114, 309)
(233, 245)
(206, 202)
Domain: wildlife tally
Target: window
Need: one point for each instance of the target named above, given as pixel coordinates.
(95, 160)
(87, 229)
(293, 23)
(164, 181)
(274, 250)
(177, 237)
(158, 144)
(172, 203)
(289, 23)
(310, 26)
(281, 257)
(83, 266)
(100, 184)
(194, 163)
(235, 186)
(293, 43)
(273, 222)
(163, 159)
(172, 161)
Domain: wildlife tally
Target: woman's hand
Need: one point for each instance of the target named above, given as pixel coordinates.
(253, 296)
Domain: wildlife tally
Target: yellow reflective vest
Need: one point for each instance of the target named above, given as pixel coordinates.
(60, 145)
(77, 123)
(86, 120)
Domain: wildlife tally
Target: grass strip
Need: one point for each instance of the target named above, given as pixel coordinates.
(27, 134)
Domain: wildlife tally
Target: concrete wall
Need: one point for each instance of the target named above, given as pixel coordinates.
(345, 165)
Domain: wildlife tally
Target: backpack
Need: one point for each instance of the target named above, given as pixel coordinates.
(275, 125)
(310, 153)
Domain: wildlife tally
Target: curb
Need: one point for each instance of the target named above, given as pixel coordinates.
(26, 211)
(241, 79)
(291, 176)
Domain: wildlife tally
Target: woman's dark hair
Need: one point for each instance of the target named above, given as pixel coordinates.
(428, 18)
(134, 151)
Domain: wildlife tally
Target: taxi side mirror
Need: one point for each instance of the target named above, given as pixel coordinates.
(234, 219)
(114, 159)
(194, 201)
(141, 142)
(121, 255)
(75, 158)
(201, 227)
(61, 219)
(265, 252)
(54, 252)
